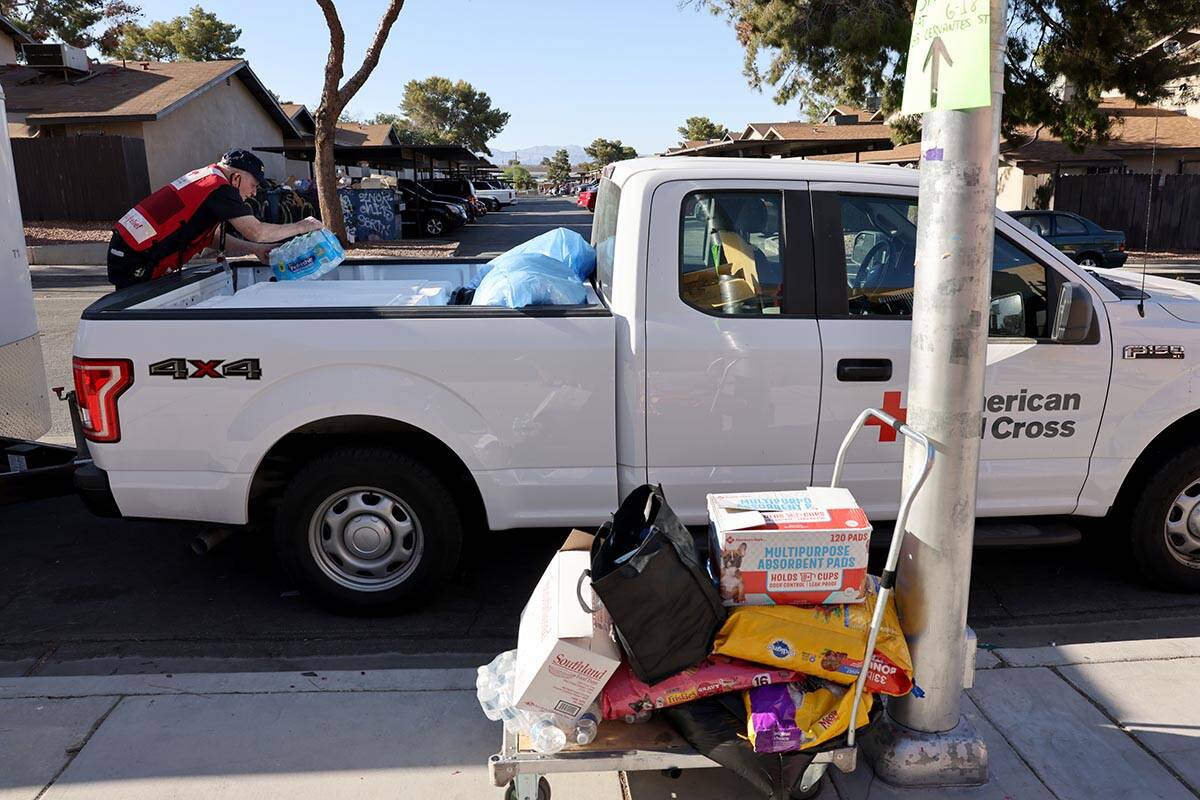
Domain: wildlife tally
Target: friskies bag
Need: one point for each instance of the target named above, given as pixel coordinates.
(647, 572)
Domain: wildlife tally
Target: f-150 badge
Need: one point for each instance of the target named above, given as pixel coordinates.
(1154, 351)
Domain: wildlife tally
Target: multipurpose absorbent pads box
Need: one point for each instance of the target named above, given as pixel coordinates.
(790, 548)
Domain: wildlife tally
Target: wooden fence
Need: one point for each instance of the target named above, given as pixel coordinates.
(79, 178)
(1118, 202)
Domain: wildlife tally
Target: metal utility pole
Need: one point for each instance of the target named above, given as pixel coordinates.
(925, 741)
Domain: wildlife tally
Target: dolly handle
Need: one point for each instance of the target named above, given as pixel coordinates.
(888, 579)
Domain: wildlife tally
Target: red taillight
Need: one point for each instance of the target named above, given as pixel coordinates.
(1121, 247)
(98, 384)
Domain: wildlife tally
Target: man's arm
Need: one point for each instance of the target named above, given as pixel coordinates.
(238, 247)
(255, 230)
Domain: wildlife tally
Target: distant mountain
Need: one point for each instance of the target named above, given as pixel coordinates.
(532, 156)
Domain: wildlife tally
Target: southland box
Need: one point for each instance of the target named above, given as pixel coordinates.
(789, 548)
(565, 653)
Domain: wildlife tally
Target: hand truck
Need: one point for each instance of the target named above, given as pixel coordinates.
(654, 745)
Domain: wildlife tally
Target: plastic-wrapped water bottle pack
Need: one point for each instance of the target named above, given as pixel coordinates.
(307, 256)
(548, 732)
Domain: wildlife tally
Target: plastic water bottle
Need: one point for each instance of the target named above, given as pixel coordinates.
(547, 736)
(588, 725)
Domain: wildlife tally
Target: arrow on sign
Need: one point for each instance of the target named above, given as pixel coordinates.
(937, 52)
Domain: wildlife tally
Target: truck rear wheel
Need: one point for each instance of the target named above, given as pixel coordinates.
(368, 530)
(1164, 524)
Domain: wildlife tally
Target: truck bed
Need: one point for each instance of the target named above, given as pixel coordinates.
(368, 287)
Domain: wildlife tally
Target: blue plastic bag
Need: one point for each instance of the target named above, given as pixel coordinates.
(530, 279)
(561, 243)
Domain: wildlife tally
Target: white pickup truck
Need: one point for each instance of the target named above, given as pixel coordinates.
(743, 312)
(494, 193)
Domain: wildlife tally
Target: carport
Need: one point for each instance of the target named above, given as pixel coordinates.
(425, 161)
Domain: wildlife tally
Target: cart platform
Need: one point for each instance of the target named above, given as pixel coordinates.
(652, 745)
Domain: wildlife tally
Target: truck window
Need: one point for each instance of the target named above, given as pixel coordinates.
(879, 242)
(604, 233)
(729, 254)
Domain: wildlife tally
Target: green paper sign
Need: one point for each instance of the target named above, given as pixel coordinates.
(949, 56)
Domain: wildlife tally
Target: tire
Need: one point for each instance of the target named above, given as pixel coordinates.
(493, 204)
(433, 226)
(1090, 261)
(811, 793)
(543, 790)
(407, 543)
(1164, 529)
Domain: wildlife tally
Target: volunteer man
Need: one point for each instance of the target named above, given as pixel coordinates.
(177, 222)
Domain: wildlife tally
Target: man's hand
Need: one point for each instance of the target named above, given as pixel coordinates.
(311, 224)
(263, 252)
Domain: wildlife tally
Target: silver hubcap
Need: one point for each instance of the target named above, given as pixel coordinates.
(434, 226)
(366, 539)
(1088, 262)
(1182, 527)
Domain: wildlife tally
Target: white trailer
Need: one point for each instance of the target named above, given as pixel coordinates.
(25, 466)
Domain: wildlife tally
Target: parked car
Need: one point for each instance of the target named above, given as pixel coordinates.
(587, 197)
(469, 210)
(1087, 244)
(425, 214)
(457, 187)
(725, 345)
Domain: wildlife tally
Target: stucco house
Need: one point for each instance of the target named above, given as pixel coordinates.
(187, 113)
(11, 39)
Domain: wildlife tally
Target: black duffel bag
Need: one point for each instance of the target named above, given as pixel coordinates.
(647, 572)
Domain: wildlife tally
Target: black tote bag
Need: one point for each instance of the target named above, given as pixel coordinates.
(663, 604)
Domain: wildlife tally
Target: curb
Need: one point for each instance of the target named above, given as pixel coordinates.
(389, 680)
(83, 254)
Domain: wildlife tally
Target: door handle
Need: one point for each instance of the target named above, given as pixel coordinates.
(864, 369)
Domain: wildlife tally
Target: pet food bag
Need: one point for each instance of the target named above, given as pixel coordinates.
(823, 641)
(797, 716)
(626, 696)
(307, 256)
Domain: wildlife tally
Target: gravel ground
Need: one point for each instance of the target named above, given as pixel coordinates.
(419, 248)
(66, 232)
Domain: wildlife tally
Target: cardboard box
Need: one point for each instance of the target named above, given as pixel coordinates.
(565, 654)
(789, 548)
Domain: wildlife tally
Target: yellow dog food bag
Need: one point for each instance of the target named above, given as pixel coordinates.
(823, 641)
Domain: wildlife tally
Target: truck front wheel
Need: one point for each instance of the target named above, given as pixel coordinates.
(368, 530)
(1165, 524)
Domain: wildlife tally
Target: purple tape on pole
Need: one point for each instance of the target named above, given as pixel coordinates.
(935, 154)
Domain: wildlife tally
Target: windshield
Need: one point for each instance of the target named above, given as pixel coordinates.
(604, 233)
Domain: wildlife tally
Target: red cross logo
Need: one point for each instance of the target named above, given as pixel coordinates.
(891, 405)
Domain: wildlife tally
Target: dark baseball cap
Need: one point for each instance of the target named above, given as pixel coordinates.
(247, 162)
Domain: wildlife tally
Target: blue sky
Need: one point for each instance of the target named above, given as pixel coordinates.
(567, 70)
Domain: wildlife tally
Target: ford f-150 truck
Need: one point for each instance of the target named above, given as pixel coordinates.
(743, 312)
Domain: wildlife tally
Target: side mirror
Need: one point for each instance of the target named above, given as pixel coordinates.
(1073, 320)
(1006, 316)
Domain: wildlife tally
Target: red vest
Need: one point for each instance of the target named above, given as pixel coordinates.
(165, 211)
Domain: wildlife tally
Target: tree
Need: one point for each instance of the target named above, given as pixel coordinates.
(81, 23)
(605, 152)
(558, 168)
(853, 49)
(403, 128)
(519, 176)
(198, 36)
(452, 113)
(335, 95)
(701, 129)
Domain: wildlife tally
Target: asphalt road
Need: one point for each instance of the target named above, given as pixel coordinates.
(82, 595)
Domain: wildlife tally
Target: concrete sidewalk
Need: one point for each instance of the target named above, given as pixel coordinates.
(1080, 722)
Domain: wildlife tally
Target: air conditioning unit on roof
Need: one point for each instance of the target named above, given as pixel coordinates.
(54, 57)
